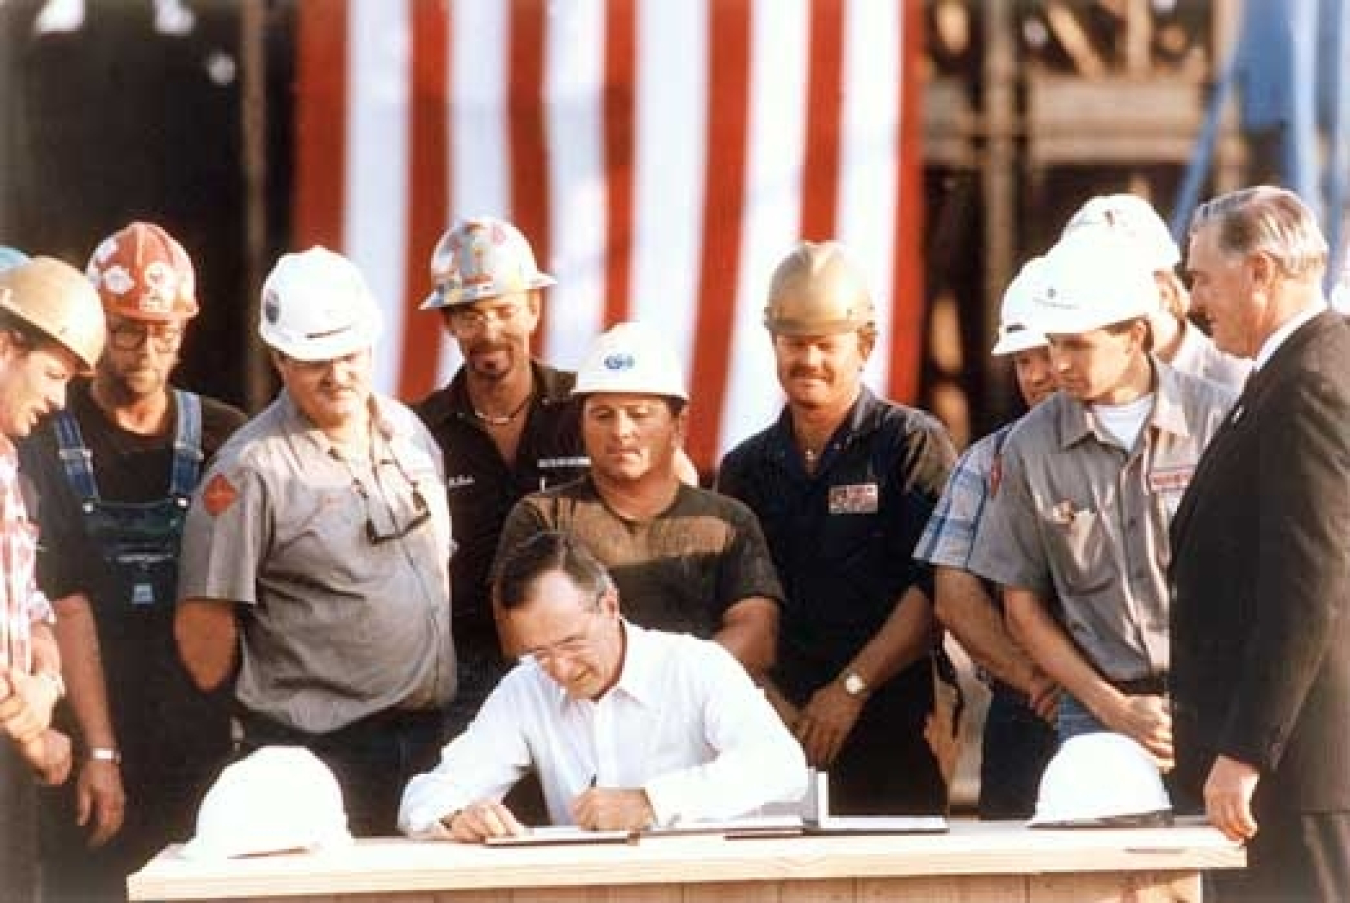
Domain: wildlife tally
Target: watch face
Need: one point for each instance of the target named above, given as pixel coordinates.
(854, 685)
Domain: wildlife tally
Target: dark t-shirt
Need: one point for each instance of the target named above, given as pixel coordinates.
(128, 467)
(482, 487)
(679, 571)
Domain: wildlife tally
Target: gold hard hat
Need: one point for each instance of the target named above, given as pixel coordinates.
(59, 301)
(818, 290)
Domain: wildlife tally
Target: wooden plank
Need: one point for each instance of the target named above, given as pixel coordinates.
(950, 889)
(739, 891)
(836, 890)
(1127, 887)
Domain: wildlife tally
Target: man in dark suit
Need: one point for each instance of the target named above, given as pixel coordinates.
(1261, 560)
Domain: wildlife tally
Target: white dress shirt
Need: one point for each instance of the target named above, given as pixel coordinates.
(684, 722)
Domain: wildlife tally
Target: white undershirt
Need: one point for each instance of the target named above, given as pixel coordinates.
(1124, 422)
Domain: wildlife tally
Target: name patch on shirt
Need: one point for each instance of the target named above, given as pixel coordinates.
(459, 481)
(856, 498)
(1172, 479)
(561, 463)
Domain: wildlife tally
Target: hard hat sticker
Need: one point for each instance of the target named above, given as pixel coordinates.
(619, 361)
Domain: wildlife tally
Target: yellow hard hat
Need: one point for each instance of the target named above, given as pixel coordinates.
(818, 290)
(57, 300)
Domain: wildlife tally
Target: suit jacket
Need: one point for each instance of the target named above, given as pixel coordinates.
(1261, 574)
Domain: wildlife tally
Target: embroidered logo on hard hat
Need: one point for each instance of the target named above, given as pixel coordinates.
(619, 361)
(271, 306)
(219, 494)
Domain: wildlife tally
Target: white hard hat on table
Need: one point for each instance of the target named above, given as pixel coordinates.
(1094, 277)
(1015, 315)
(631, 358)
(278, 798)
(1101, 779)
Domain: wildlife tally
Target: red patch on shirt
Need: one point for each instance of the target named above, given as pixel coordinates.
(995, 475)
(219, 494)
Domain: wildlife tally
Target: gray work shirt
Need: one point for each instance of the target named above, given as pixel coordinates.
(1078, 518)
(342, 570)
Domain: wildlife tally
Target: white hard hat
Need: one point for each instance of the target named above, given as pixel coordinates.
(482, 258)
(1093, 277)
(631, 357)
(1017, 311)
(276, 799)
(316, 306)
(1135, 217)
(1101, 779)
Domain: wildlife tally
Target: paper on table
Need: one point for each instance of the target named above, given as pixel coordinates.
(560, 834)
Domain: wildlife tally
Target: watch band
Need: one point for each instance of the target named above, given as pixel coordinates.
(105, 754)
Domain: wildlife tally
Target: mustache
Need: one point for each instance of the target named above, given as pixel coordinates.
(806, 373)
(481, 347)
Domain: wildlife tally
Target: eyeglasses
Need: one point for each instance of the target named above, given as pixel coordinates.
(472, 319)
(421, 510)
(129, 335)
(569, 647)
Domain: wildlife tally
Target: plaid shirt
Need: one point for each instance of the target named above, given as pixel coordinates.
(21, 602)
(949, 536)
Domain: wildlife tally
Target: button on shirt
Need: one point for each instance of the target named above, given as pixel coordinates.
(684, 722)
(337, 626)
(1077, 517)
(842, 538)
(22, 602)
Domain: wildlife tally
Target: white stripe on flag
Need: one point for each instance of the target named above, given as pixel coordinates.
(573, 89)
(779, 54)
(869, 156)
(671, 124)
(480, 156)
(375, 219)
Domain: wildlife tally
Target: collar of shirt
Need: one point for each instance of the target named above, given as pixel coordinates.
(1281, 335)
(553, 386)
(638, 680)
(1168, 414)
(862, 418)
(292, 416)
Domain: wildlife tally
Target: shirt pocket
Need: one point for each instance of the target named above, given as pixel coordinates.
(1080, 553)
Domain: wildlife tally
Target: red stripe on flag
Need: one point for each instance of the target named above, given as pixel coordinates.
(320, 124)
(907, 300)
(723, 207)
(527, 133)
(428, 198)
(620, 138)
(824, 79)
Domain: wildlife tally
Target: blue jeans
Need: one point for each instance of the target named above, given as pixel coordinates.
(1075, 719)
(1015, 748)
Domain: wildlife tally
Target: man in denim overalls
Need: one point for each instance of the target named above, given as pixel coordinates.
(114, 473)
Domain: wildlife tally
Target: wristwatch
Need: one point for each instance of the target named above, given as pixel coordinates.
(854, 685)
(105, 754)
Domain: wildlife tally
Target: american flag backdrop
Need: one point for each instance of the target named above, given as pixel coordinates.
(660, 155)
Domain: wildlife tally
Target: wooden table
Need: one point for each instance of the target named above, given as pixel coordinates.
(976, 862)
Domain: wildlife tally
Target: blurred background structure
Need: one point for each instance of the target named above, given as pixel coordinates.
(249, 127)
